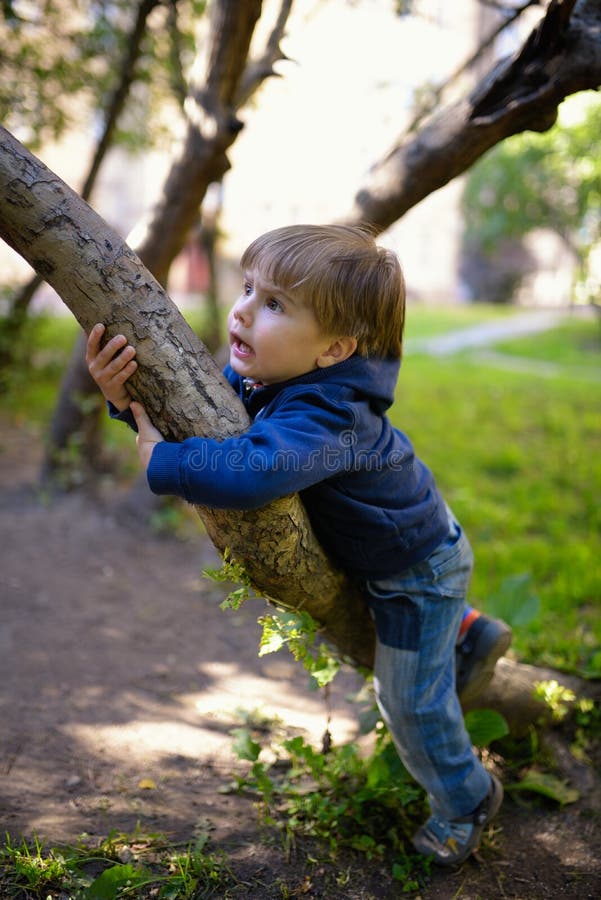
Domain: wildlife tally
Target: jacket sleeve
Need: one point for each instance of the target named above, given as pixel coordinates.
(297, 446)
(126, 415)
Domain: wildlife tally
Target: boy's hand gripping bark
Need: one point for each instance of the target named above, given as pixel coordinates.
(110, 366)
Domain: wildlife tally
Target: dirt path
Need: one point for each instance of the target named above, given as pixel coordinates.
(118, 668)
(486, 333)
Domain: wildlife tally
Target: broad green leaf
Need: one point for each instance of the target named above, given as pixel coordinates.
(109, 883)
(378, 772)
(271, 642)
(515, 601)
(547, 785)
(484, 726)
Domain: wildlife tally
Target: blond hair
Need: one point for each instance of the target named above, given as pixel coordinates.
(354, 287)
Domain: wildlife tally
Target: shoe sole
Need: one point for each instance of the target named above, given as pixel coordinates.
(482, 670)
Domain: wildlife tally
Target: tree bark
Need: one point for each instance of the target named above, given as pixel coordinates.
(212, 127)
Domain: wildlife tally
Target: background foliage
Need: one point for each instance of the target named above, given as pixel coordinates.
(550, 180)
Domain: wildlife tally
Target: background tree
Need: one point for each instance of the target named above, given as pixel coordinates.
(522, 93)
(222, 77)
(112, 105)
(79, 58)
(550, 181)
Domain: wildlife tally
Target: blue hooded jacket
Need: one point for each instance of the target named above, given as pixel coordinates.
(373, 504)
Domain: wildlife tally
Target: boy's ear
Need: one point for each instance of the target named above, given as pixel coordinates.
(338, 351)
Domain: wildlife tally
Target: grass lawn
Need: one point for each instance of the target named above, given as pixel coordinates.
(517, 456)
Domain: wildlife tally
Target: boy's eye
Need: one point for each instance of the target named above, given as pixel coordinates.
(273, 304)
(247, 288)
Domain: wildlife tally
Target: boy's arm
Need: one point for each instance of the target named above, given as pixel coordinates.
(277, 456)
(300, 446)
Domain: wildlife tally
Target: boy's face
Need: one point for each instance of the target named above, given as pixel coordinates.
(273, 336)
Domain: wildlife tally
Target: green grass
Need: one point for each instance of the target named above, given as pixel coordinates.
(121, 866)
(42, 357)
(577, 342)
(519, 460)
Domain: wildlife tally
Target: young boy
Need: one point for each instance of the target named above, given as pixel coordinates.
(315, 344)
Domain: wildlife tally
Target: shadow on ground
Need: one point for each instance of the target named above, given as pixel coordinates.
(121, 679)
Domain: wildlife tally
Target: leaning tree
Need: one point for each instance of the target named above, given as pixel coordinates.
(101, 279)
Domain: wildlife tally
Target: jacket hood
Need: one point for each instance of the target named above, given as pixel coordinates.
(374, 378)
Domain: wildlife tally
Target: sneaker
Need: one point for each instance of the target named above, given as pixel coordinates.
(451, 842)
(485, 641)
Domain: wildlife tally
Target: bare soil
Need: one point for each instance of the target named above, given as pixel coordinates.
(121, 679)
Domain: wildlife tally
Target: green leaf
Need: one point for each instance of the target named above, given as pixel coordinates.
(515, 601)
(547, 785)
(271, 641)
(173, 889)
(108, 885)
(484, 726)
(324, 668)
(244, 747)
(378, 771)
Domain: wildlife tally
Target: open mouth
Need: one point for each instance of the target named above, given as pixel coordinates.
(240, 347)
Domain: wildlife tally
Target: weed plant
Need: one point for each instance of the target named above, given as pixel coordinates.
(122, 866)
(340, 798)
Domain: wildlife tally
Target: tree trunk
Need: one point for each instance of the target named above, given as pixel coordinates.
(74, 446)
(221, 85)
(512, 693)
(212, 128)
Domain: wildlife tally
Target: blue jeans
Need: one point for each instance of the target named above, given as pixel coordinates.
(417, 615)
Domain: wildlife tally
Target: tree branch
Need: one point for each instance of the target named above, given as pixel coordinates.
(212, 128)
(260, 68)
(101, 280)
(512, 14)
(520, 93)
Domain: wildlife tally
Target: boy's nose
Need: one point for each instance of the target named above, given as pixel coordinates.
(243, 310)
